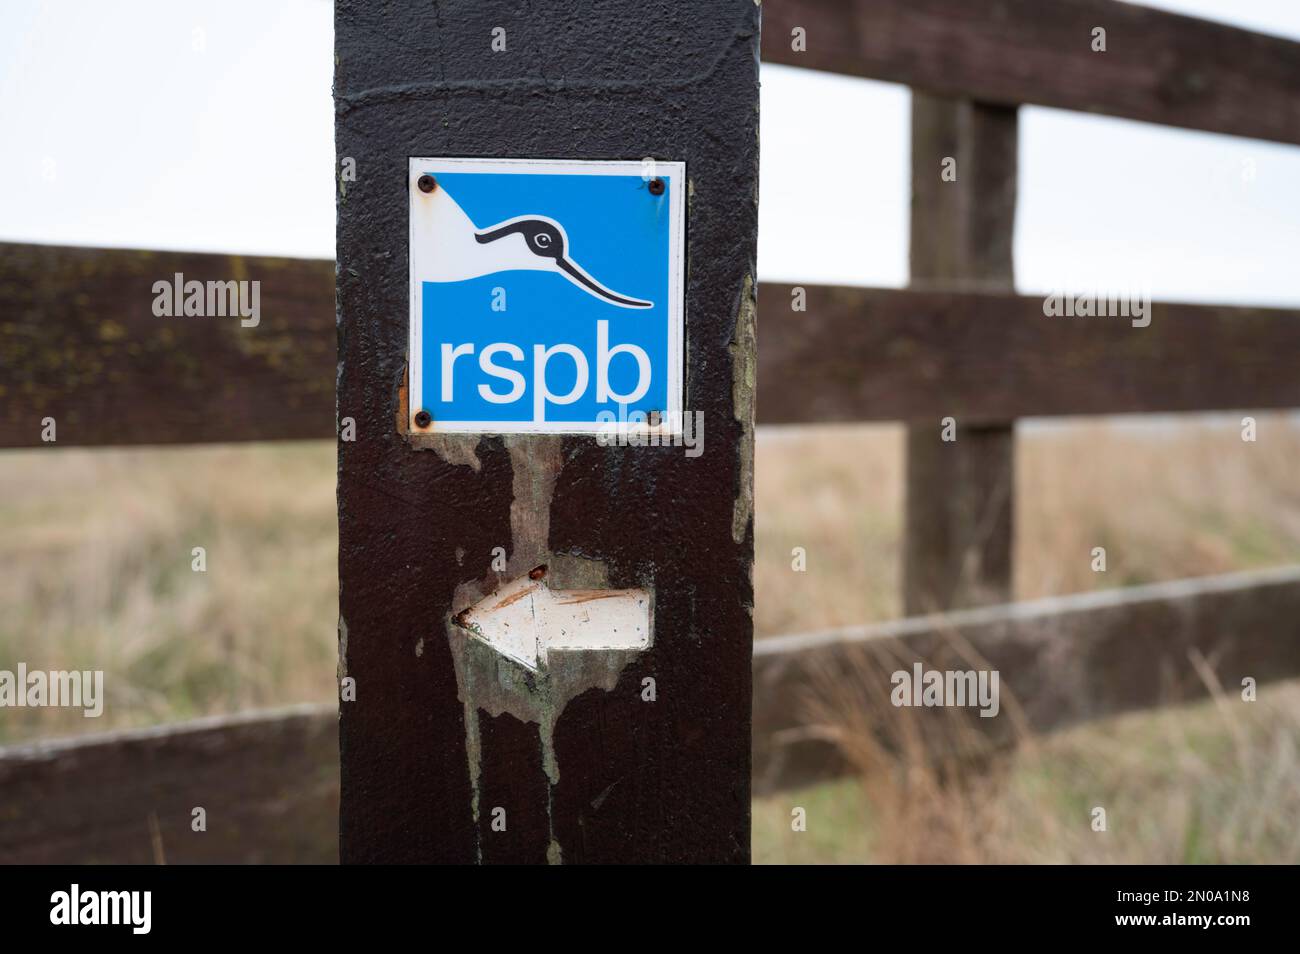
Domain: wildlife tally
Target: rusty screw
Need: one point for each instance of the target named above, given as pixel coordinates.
(427, 183)
(656, 186)
(423, 418)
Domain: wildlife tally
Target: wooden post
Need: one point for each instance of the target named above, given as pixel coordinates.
(452, 752)
(960, 493)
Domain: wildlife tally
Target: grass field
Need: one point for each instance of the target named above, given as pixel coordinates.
(1214, 783)
(96, 550)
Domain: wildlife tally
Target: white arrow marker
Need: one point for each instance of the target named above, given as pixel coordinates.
(526, 618)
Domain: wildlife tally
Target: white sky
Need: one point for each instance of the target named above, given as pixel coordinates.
(189, 124)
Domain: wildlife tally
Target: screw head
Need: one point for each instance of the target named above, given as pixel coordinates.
(427, 183)
(656, 186)
(423, 418)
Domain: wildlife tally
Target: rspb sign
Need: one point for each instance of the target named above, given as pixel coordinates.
(546, 295)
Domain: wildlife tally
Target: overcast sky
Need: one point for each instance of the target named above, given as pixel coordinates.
(188, 124)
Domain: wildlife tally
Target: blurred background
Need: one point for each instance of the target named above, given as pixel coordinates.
(192, 126)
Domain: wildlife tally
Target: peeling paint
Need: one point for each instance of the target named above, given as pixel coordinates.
(536, 459)
(515, 598)
(460, 450)
(526, 620)
(490, 682)
(341, 670)
(744, 356)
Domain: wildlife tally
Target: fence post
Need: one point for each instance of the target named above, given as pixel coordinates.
(960, 494)
(452, 751)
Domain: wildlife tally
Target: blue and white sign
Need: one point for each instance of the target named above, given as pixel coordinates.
(546, 296)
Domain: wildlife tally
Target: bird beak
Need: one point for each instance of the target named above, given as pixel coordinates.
(576, 274)
(567, 266)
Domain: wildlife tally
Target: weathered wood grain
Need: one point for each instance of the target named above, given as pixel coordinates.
(79, 342)
(1158, 67)
(960, 493)
(1062, 661)
(863, 354)
(268, 782)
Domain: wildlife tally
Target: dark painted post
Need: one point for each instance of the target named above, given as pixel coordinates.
(960, 493)
(643, 757)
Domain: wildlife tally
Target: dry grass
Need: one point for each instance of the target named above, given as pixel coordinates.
(95, 547)
(1166, 501)
(1214, 783)
(97, 553)
(1218, 782)
(922, 770)
(837, 492)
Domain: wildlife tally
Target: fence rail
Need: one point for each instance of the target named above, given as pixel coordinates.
(79, 342)
(1063, 660)
(269, 781)
(1158, 67)
(866, 354)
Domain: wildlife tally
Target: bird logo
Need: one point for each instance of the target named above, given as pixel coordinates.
(460, 250)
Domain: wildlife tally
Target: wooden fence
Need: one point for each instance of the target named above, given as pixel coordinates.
(78, 342)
